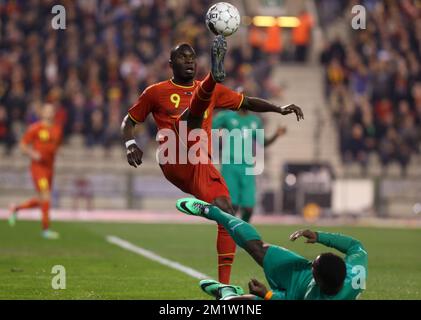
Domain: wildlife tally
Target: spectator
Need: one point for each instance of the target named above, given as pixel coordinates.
(96, 129)
(272, 44)
(6, 135)
(110, 51)
(301, 36)
(373, 84)
(356, 149)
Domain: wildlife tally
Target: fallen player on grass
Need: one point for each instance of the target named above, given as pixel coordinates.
(290, 276)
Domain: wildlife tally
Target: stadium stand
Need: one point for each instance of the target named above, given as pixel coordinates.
(95, 70)
(373, 85)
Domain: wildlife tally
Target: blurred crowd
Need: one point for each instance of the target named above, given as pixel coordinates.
(94, 70)
(373, 82)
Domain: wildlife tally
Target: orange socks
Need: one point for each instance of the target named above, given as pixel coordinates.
(225, 246)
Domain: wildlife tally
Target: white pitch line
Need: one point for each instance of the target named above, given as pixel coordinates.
(154, 257)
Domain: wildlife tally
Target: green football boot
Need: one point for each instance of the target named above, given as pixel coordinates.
(214, 289)
(193, 207)
(13, 216)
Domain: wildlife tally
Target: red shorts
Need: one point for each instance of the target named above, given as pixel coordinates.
(200, 180)
(42, 177)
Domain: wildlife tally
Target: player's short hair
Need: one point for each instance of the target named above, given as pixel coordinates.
(176, 49)
(330, 272)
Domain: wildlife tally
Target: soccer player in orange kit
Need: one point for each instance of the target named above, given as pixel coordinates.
(183, 99)
(40, 143)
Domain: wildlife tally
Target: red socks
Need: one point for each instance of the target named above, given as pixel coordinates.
(208, 84)
(225, 246)
(45, 209)
(202, 96)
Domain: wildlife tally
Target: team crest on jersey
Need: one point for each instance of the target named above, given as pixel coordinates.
(44, 135)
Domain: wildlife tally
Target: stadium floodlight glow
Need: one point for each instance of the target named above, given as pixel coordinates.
(288, 22)
(264, 21)
(269, 21)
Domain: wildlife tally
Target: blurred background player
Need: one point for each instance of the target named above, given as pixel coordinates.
(290, 276)
(242, 187)
(182, 99)
(40, 143)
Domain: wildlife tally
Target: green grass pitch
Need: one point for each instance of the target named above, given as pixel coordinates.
(96, 269)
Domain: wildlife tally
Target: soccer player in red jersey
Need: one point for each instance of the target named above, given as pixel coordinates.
(182, 98)
(40, 143)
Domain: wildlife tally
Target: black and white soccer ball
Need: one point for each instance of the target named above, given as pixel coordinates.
(223, 19)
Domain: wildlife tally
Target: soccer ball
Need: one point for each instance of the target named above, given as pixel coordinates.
(223, 18)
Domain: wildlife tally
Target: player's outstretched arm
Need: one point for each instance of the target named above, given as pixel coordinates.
(338, 241)
(262, 105)
(355, 253)
(134, 153)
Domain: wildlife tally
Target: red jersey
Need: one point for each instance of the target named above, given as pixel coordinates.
(45, 139)
(167, 101)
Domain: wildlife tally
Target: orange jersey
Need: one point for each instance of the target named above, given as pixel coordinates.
(44, 139)
(167, 101)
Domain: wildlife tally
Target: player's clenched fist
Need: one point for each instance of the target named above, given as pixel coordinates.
(257, 288)
(134, 155)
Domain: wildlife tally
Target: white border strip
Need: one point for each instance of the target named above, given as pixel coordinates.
(154, 257)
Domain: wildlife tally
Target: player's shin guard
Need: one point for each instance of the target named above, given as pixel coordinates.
(32, 203)
(240, 231)
(45, 209)
(202, 96)
(225, 246)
